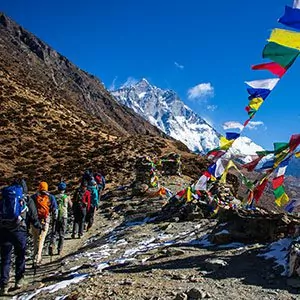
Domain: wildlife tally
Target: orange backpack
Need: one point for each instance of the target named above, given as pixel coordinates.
(43, 206)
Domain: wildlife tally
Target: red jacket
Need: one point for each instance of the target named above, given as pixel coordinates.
(86, 198)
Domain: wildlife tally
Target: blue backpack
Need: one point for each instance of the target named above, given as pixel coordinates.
(12, 204)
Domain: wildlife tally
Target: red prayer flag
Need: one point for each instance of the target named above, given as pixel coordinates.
(273, 67)
(260, 189)
(277, 182)
(207, 174)
(294, 142)
(251, 165)
(246, 123)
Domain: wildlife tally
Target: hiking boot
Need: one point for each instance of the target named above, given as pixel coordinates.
(20, 283)
(73, 236)
(4, 290)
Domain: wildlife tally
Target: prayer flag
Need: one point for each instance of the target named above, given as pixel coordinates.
(282, 55)
(282, 167)
(277, 182)
(229, 166)
(201, 184)
(225, 144)
(216, 169)
(255, 103)
(285, 38)
(279, 192)
(292, 205)
(232, 135)
(215, 154)
(261, 88)
(267, 84)
(282, 200)
(291, 17)
(273, 67)
(269, 164)
(260, 189)
(278, 147)
(251, 165)
(294, 142)
(188, 195)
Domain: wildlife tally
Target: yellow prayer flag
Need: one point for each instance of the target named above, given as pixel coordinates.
(280, 157)
(297, 155)
(283, 200)
(216, 210)
(229, 165)
(224, 143)
(188, 195)
(286, 38)
(256, 103)
(212, 178)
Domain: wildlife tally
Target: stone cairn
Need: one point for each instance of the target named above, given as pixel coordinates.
(170, 164)
(145, 175)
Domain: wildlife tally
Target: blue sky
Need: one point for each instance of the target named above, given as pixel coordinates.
(177, 45)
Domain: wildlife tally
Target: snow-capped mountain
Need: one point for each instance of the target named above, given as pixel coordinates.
(164, 109)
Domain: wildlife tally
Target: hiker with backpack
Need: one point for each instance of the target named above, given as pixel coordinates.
(94, 204)
(46, 206)
(13, 231)
(81, 205)
(60, 225)
(100, 179)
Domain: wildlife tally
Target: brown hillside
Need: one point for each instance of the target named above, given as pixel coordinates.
(56, 120)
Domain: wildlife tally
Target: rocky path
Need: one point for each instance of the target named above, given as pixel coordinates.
(135, 258)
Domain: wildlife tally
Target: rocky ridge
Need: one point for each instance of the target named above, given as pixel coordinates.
(56, 120)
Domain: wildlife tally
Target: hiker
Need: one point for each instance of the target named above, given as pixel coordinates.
(81, 204)
(46, 206)
(60, 225)
(93, 188)
(13, 231)
(100, 179)
(87, 177)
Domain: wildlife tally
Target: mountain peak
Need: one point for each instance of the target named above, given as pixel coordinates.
(143, 83)
(164, 109)
(144, 80)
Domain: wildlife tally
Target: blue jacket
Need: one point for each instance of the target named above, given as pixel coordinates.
(94, 196)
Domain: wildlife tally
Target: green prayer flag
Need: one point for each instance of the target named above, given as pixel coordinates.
(278, 147)
(264, 153)
(279, 192)
(282, 55)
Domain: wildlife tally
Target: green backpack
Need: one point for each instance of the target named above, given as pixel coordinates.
(61, 205)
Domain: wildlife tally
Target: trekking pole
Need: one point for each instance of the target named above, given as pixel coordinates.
(34, 269)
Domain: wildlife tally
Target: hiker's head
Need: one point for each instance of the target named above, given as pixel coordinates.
(43, 186)
(61, 186)
(20, 181)
(84, 185)
(93, 183)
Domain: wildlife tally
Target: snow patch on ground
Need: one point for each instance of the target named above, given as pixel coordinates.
(279, 252)
(54, 287)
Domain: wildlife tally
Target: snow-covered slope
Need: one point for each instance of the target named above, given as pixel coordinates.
(164, 109)
(243, 146)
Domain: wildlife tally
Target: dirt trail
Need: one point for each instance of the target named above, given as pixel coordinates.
(129, 257)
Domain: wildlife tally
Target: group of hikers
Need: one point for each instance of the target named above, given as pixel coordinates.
(22, 214)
